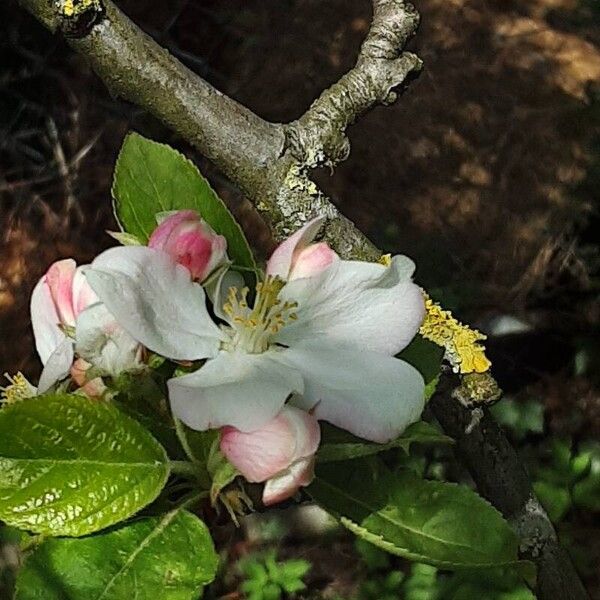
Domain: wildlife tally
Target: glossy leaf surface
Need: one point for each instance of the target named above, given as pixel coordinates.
(169, 557)
(71, 466)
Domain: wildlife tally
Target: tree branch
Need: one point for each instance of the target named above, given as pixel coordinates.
(134, 67)
(318, 137)
(270, 164)
(502, 479)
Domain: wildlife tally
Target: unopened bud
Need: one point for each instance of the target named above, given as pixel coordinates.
(298, 257)
(280, 453)
(191, 242)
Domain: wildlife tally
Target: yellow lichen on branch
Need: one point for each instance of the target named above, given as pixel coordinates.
(74, 8)
(461, 344)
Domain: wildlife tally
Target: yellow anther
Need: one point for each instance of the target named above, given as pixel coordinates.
(18, 389)
(385, 260)
(252, 328)
(461, 343)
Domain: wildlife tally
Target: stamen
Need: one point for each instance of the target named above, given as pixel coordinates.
(18, 389)
(252, 329)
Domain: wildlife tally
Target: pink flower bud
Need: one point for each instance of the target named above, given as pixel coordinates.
(191, 242)
(297, 257)
(281, 452)
(56, 302)
(68, 291)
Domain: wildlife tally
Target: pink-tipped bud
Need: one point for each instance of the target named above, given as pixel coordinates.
(281, 452)
(67, 291)
(297, 257)
(191, 242)
(311, 261)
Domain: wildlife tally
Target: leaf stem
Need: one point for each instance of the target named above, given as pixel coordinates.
(191, 499)
(182, 437)
(183, 467)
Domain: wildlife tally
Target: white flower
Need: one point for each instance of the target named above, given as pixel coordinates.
(67, 318)
(329, 337)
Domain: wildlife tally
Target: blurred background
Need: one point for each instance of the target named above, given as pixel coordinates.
(486, 172)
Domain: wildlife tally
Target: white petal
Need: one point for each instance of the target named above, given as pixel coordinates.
(286, 484)
(57, 367)
(83, 294)
(44, 319)
(371, 395)
(102, 342)
(156, 301)
(358, 304)
(217, 288)
(280, 262)
(241, 390)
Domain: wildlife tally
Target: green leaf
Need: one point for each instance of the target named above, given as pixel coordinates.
(71, 466)
(491, 584)
(421, 584)
(341, 445)
(426, 357)
(151, 178)
(520, 417)
(222, 473)
(554, 498)
(442, 524)
(169, 557)
(586, 492)
(124, 238)
(140, 397)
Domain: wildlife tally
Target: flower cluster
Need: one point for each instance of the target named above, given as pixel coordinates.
(315, 340)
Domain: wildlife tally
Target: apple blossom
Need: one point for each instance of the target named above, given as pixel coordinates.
(297, 257)
(191, 242)
(330, 337)
(68, 319)
(281, 452)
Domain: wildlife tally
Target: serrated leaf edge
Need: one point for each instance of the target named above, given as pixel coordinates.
(390, 547)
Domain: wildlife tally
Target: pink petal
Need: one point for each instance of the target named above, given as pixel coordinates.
(79, 371)
(59, 279)
(281, 260)
(163, 231)
(261, 454)
(93, 388)
(311, 261)
(44, 320)
(191, 242)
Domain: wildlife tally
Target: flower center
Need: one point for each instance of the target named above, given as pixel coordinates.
(251, 329)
